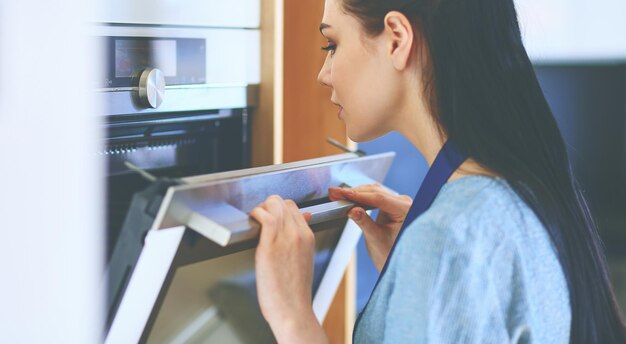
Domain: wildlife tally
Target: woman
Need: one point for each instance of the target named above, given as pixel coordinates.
(506, 250)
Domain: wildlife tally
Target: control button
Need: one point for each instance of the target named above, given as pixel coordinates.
(151, 87)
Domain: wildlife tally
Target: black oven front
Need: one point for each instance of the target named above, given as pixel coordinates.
(166, 146)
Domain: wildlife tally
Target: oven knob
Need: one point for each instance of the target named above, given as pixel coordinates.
(151, 87)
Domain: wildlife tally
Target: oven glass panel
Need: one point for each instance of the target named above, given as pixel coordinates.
(215, 301)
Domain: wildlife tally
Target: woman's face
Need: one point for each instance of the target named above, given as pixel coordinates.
(358, 70)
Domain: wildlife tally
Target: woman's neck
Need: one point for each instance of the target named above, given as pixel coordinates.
(420, 128)
(417, 124)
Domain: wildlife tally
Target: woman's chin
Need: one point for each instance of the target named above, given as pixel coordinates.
(355, 137)
(359, 137)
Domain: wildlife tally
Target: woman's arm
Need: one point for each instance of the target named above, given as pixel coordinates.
(303, 329)
(284, 271)
(284, 256)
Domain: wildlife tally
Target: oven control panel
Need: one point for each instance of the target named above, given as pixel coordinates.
(179, 61)
(150, 70)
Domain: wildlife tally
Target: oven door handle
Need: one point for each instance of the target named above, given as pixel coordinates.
(328, 211)
(226, 225)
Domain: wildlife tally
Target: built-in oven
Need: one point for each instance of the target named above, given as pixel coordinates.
(176, 103)
(189, 277)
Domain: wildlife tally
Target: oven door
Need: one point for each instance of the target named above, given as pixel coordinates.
(195, 279)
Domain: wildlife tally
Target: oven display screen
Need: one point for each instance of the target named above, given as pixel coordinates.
(135, 55)
(182, 60)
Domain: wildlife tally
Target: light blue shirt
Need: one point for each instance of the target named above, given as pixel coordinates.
(477, 267)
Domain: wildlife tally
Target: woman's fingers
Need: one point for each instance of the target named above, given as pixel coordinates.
(268, 224)
(391, 204)
(365, 222)
(295, 214)
(273, 204)
(301, 223)
(307, 217)
(270, 215)
(336, 193)
(282, 215)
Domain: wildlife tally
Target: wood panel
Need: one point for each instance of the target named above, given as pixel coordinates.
(266, 139)
(341, 316)
(309, 116)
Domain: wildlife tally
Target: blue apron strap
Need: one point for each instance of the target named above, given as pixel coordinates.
(447, 161)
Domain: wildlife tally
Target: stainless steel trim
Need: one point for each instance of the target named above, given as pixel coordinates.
(178, 87)
(176, 100)
(118, 89)
(186, 119)
(216, 85)
(175, 26)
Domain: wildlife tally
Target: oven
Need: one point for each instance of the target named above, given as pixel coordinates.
(174, 105)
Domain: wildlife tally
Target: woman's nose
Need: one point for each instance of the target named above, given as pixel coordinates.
(324, 75)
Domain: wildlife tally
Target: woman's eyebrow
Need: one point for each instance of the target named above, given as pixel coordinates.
(324, 26)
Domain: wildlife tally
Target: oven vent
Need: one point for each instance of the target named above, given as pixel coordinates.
(119, 149)
(152, 145)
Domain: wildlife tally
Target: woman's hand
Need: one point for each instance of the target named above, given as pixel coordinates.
(284, 271)
(380, 234)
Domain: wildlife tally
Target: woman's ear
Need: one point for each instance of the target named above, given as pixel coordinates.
(399, 32)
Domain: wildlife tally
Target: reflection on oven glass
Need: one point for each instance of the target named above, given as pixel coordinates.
(215, 301)
(132, 55)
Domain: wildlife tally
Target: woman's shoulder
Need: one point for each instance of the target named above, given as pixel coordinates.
(477, 211)
(477, 198)
(477, 261)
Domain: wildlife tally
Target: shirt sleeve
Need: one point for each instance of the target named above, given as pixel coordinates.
(443, 290)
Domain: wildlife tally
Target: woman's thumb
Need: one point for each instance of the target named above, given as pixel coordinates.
(365, 222)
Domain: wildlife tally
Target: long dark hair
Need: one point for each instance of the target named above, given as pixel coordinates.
(486, 98)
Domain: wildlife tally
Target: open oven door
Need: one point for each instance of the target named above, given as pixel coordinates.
(189, 278)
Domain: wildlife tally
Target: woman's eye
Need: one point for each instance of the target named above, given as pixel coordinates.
(330, 47)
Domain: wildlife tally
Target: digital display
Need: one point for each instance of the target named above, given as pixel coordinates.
(182, 60)
(133, 55)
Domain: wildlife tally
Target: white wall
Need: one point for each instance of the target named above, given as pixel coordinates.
(557, 31)
(51, 241)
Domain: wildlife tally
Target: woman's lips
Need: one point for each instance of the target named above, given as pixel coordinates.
(340, 109)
